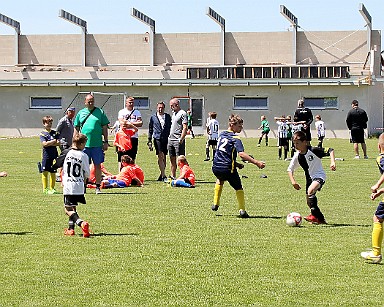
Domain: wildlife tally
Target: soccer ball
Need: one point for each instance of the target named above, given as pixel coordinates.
(294, 219)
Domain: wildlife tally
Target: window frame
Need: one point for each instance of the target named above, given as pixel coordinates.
(324, 107)
(142, 107)
(42, 98)
(264, 98)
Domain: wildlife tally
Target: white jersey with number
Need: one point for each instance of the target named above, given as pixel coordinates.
(75, 172)
(320, 127)
(213, 128)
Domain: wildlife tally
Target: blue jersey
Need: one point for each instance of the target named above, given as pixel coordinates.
(228, 146)
(380, 163)
(49, 152)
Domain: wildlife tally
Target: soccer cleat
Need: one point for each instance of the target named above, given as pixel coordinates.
(371, 257)
(314, 220)
(258, 145)
(85, 229)
(45, 191)
(51, 192)
(69, 232)
(98, 191)
(243, 214)
(357, 157)
(215, 207)
(207, 159)
(160, 178)
(365, 157)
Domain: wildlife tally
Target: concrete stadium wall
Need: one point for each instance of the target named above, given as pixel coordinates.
(190, 48)
(17, 119)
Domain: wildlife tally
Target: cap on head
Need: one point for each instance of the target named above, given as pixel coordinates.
(71, 109)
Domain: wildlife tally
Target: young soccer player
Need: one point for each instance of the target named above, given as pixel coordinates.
(75, 173)
(186, 178)
(130, 174)
(282, 132)
(320, 127)
(49, 141)
(213, 135)
(309, 158)
(123, 141)
(374, 255)
(264, 130)
(224, 163)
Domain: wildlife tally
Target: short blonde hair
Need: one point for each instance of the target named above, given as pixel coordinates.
(182, 159)
(79, 139)
(235, 119)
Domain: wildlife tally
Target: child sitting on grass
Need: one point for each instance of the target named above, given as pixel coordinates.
(187, 176)
(130, 174)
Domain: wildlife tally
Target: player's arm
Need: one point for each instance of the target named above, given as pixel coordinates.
(378, 184)
(245, 157)
(183, 133)
(105, 135)
(377, 193)
(293, 180)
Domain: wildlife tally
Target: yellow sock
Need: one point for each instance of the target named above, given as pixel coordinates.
(44, 179)
(217, 195)
(377, 238)
(52, 180)
(240, 199)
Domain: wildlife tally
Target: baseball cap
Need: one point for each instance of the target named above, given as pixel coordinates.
(71, 109)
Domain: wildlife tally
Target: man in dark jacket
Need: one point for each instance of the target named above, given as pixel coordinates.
(159, 127)
(357, 121)
(304, 116)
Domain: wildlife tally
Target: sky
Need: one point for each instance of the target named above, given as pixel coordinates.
(180, 16)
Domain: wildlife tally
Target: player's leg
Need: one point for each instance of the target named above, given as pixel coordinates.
(266, 139)
(181, 183)
(374, 255)
(217, 194)
(235, 183)
(207, 144)
(316, 215)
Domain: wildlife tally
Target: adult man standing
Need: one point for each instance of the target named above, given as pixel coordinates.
(304, 116)
(357, 121)
(65, 128)
(159, 129)
(93, 122)
(176, 140)
(132, 115)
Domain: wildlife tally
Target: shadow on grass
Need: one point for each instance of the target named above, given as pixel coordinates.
(17, 233)
(118, 192)
(103, 234)
(345, 225)
(253, 216)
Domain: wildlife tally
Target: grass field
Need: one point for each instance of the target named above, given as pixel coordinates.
(162, 246)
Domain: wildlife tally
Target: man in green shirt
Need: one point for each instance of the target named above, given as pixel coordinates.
(93, 122)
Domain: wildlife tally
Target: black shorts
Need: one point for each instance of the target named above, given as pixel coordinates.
(133, 151)
(212, 142)
(232, 178)
(357, 136)
(283, 142)
(46, 165)
(122, 153)
(73, 200)
(161, 146)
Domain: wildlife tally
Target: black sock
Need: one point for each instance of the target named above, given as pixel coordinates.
(315, 210)
(280, 152)
(76, 219)
(71, 224)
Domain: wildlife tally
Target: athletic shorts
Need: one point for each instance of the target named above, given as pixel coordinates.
(73, 200)
(175, 148)
(357, 136)
(380, 210)
(133, 151)
(161, 146)
(319, 180)
(212, 142)
(232, 178)
(95, 154)
(265, 132)
(283, 142)
(46, 165)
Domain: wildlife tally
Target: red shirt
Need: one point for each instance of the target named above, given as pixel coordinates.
(123, 139)
(188, 173)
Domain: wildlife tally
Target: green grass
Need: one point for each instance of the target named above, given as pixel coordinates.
(162, 246)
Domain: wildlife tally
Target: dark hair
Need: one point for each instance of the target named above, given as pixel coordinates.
(355, 103)
(300, 136)
(127, 159)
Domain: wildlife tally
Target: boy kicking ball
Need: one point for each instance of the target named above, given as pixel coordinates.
(374, 255)
(75, 173)
(309, 158)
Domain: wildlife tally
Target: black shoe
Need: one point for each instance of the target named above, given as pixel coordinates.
(160, 178)
(244, 214)
(215, 207)
(164, 179)
(207, 159)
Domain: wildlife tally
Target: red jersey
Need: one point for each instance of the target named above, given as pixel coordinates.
(92, 175)
(188, 173)
(123, 139)
(130, 172)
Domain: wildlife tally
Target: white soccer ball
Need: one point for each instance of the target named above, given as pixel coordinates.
(294, 219)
